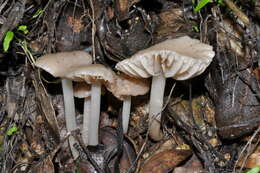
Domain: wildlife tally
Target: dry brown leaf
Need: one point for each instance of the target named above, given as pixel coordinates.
(165, 161)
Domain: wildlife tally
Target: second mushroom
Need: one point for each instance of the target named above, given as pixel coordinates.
(96, 75)
(181, 58)
(125, 87)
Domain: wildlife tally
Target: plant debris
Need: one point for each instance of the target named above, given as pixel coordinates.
(210, 123)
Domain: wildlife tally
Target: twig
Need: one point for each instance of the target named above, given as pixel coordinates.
(93, 30)
(243, 150)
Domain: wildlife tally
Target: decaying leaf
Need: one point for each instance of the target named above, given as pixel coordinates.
(164, 161)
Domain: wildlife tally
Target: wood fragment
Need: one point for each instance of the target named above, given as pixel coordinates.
(238, 12)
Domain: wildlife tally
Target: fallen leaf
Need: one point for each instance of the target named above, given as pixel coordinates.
(165, 161)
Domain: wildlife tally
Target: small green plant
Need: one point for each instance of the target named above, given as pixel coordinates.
(38, 13)
(254, 170)
(220, 2)
(27, 52)
(201, 4)
(23, 28)
(195, 28)
(9, 36)
(12, 130)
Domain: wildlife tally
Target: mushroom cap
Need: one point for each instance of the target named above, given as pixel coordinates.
(128, 86)
(181, 58)
(82, 90)
(58, 64)
(92, 73)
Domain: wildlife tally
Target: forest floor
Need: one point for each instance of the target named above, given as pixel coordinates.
(210, 123)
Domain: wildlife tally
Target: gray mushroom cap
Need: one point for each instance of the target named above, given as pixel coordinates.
(181, 58)
(125, 86)
(58, 64)
(91, 74)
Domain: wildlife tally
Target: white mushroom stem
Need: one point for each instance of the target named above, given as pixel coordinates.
(69, 112)
(93, 123)
(86, 120)
(126, 113)
(156, 104)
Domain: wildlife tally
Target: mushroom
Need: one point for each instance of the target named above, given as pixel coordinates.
(58, 64)
(83, 90)
(181, 58)
(125, 87)
(96, 75)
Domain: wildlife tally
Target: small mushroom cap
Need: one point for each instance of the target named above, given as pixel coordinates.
(92, 74)
(58, 64)
(180, 58)
(128, 86)
(82, 90)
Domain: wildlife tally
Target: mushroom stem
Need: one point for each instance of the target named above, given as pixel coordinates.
(156, 104)
(86, 119)
(93, 123)
(70, 119)
(126, 113)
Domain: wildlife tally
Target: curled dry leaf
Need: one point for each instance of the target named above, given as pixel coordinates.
(109, 139)
(165, 161)
(100, 153)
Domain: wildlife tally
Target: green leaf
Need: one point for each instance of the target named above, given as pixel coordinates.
(23, 28)
(220, 2)
(9, 36)
(38, 13)
(254, 170)
(201, 4)
(195, 28)
(12, 130)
